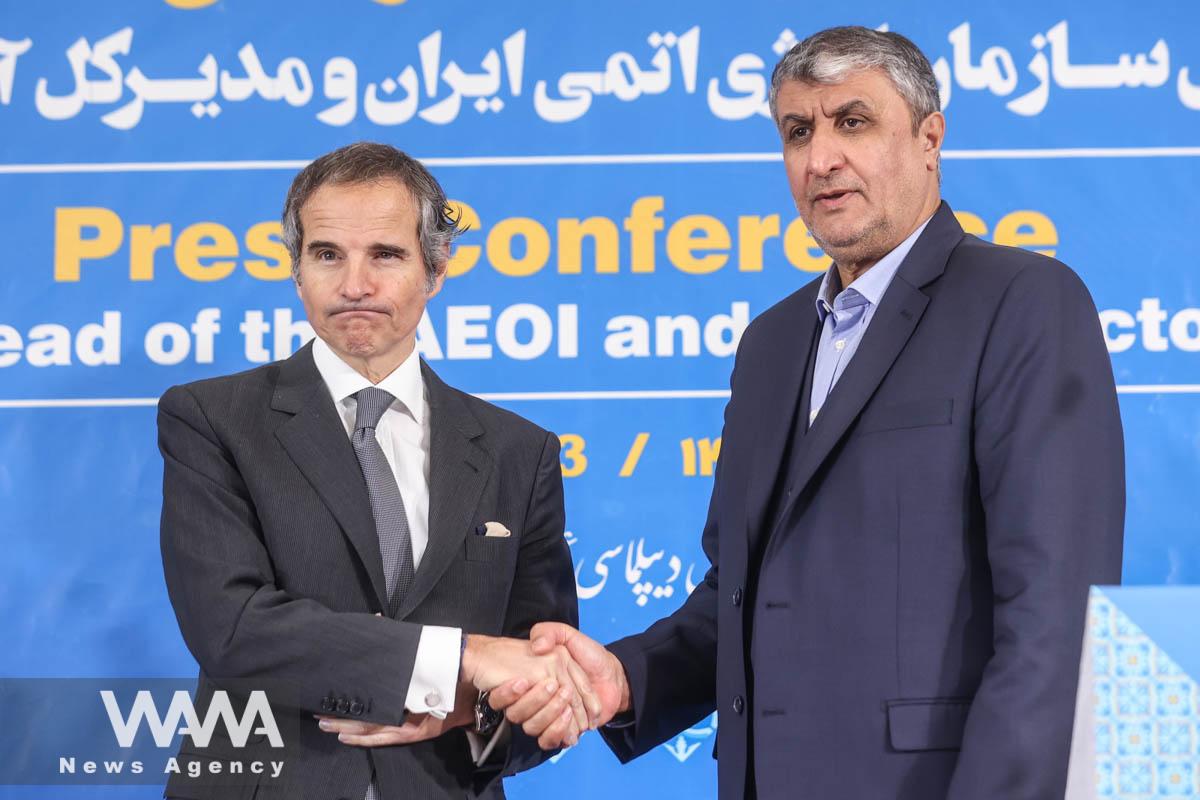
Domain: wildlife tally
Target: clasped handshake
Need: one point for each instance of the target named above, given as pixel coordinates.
(556, 685)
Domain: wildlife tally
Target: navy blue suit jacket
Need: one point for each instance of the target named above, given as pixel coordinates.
(895, 607)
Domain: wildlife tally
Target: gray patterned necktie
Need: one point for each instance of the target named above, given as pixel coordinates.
(387, 506)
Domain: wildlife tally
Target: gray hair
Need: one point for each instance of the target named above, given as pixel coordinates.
(370, 162)
(830, 55)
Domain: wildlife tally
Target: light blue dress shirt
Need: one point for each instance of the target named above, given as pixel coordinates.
(845, 315)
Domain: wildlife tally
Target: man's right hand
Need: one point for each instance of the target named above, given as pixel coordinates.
(567, 699)
(525, 706)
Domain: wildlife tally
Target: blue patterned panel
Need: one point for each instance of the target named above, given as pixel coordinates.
(1147, 711)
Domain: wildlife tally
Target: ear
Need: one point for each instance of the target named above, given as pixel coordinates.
(295, 268)
(437, 285)
(440, 280)
(931, 134)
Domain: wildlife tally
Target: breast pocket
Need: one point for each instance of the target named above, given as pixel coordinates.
(908, 414)
(489, 548)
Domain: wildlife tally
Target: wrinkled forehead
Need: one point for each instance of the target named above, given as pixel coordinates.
(383, 191)
(871, 88)
(362, 206)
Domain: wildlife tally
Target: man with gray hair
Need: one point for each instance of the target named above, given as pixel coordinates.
(353, 536)
(921, 474)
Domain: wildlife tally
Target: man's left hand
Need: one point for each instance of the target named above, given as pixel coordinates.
(416, 727)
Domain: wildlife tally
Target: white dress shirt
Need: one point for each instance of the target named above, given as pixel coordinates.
(403, 433)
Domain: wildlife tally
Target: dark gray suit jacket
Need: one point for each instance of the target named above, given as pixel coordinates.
(895, 607)
(273, 568)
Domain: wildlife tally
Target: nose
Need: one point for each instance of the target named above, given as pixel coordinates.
(825, 154)
(357, 280)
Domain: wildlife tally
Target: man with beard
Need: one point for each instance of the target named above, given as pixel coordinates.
(921, 474)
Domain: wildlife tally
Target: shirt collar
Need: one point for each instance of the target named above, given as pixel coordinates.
(872, 284)
(343, 381)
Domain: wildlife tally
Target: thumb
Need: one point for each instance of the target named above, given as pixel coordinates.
(545, 636)
(586, 652)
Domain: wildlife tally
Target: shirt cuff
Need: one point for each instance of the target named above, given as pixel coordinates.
(435, 674)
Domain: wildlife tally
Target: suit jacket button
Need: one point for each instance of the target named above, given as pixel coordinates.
(739, 705)
(737, 596)
(343, 706)
(356, 708)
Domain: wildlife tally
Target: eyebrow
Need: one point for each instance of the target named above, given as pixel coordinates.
(788, 119)
(320, 244)
(850, 107)
(856, 105)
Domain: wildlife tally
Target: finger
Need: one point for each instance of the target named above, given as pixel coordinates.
(590, 700)
(550, 710)
(578, 710)
(548, 715)
(560, 733)
(532, 702)
(577, 686)
(330, 725)
(506, 694)
(382, 739)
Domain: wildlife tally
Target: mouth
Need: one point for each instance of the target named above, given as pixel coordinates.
(352, 313)
(833, 199)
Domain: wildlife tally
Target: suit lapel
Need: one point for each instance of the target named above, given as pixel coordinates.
(458, 470)
(790, 354)
(316, 441)
(895, 320)
(899, 311)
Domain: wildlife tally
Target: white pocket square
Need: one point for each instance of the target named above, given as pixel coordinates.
(495, 529)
